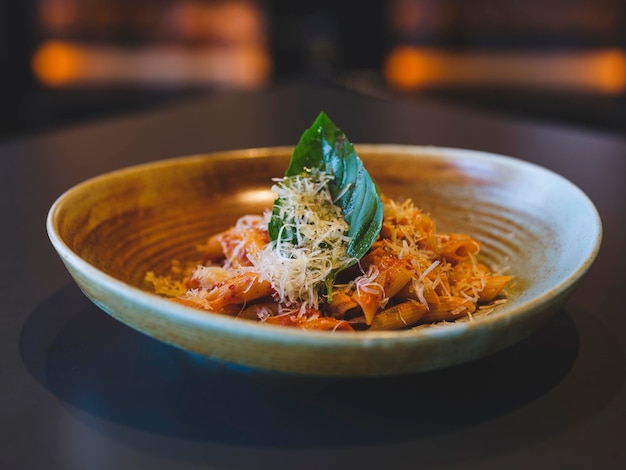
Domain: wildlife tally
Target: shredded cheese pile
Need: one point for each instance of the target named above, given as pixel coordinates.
(312, 242)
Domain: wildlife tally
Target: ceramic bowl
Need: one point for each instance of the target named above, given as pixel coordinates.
(110, 230)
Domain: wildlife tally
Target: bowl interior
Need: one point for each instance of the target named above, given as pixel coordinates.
(532, 223)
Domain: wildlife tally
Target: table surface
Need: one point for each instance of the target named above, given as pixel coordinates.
(81, 390)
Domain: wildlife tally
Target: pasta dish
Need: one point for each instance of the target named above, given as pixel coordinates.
(337, 255)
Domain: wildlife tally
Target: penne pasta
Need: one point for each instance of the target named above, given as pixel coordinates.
(411, 276)
(399, 316)
(449, 309)
(241, 289)
(341, 304)
(457, 247)
(494, 285)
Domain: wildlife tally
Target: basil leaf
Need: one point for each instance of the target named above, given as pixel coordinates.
(325, 147)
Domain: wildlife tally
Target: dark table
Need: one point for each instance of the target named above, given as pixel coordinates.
(80, 390)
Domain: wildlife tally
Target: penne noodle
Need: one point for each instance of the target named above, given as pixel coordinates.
(240, 289)
(399, 316)
(449, 309)
(259, 311)
(369, 302)
(386, 277)
(395, 279)
(493, 287)
(341, 304)
(457, 247)
(310, 322)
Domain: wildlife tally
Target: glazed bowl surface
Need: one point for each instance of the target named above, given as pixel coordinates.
(111, 230)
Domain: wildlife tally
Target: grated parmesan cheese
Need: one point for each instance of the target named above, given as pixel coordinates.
(312, 243)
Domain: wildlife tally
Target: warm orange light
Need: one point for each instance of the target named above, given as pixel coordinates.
(55, 63)
(598, 71)
(610, 70)
(408, 68)
(58, 64)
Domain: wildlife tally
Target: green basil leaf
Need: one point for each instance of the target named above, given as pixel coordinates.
(325, 147)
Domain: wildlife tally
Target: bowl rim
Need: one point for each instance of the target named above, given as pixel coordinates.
(248, 329)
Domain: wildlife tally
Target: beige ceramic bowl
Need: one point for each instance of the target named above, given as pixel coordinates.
(110, 230)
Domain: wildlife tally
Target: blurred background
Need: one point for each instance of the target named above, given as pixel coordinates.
(67, 61)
